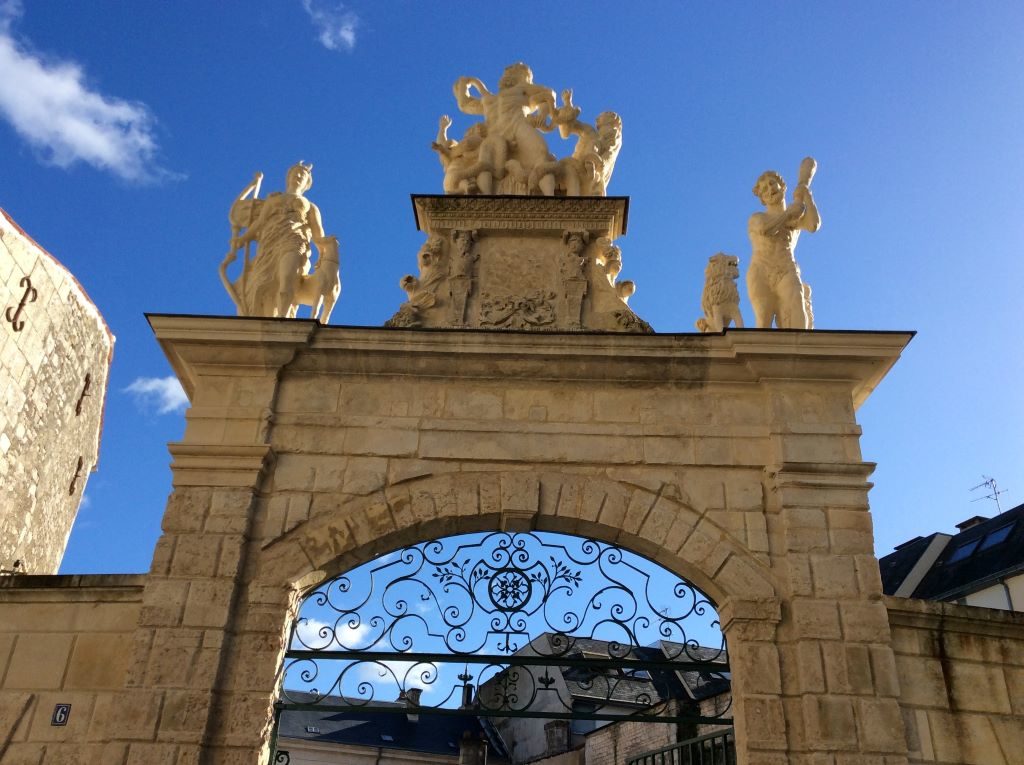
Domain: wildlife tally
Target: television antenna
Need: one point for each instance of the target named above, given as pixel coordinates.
(994, 491)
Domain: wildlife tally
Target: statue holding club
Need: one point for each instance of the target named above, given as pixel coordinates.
(773, 279)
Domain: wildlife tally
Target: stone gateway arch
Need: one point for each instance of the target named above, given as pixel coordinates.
(731, 459)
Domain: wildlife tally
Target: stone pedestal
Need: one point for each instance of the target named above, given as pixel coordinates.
(519, 263)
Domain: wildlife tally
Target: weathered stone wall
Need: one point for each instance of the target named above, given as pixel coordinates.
(319, 753)
(616, 743)
(49, 431)
(575, 757)
(63, 640)
(961, 672)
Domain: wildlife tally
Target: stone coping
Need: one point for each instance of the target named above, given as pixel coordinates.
(231, 346)
(108, 587)
(953, 617)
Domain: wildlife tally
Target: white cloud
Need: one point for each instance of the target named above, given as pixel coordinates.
(335, 26)
(163, 393)
(50, 105)
(309, 636)
(379, 674)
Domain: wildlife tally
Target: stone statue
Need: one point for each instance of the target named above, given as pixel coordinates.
(508, 153)
(422, 292)
(720, 300)
(285, 227)
(512, 118)
(589, 169)
(464, 172)
(773, 279)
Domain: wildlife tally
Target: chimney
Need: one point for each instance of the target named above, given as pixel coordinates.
(472, 750)
(557, 734)
(970, 523)
(411, 698)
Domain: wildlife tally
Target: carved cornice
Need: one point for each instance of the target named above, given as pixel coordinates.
(207, 345)
(820, 475)
(754, 620)
(602, 216)
(224, 465)
(858, 359)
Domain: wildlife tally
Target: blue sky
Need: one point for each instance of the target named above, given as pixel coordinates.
(126, 129)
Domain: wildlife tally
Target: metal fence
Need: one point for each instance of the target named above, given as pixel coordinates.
(713, 749)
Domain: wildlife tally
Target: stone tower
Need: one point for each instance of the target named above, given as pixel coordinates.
(55, 352)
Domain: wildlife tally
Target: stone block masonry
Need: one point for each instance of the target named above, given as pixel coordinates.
(64, 640)
(732, 460)
(55, 352)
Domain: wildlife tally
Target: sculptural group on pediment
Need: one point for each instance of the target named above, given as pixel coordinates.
(479, 267)
(507, 153)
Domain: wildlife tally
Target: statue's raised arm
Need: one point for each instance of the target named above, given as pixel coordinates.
(466, 101)
(589, 171)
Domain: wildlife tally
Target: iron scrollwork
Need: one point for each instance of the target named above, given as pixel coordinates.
(538, 624)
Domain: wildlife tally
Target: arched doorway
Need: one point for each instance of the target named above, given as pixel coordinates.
(545, 638)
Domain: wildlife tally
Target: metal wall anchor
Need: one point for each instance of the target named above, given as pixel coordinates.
(85, 392)
(76, 476)
(13, 315)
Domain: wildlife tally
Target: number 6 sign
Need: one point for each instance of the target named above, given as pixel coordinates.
(61, 713)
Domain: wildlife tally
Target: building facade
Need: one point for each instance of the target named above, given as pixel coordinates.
(981, 565)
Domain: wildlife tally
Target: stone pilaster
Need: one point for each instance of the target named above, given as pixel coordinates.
(839, 684)
(186, 688)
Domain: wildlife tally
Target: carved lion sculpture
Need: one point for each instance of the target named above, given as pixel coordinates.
(720, 300)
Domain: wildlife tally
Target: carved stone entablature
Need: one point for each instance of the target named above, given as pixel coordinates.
(522, 263)
(603, 216)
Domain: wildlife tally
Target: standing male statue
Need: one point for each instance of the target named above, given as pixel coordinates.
(773, 279)
(285, 226)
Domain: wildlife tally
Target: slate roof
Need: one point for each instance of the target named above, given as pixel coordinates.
(897, 565)
(972, 559)
(435, 734)
(663, 684)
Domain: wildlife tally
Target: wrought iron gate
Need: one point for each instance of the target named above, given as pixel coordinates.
(509, 624)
